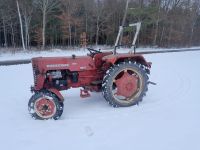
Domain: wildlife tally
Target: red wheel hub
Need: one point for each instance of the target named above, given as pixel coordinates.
(126, 85)
(45, 108)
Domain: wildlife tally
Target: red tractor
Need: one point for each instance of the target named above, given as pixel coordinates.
(122, 78)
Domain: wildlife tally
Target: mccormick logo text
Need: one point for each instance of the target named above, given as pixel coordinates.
(57, 65)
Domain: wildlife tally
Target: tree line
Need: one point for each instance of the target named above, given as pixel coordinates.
(60, 23)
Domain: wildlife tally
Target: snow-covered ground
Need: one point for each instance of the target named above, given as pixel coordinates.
(57, 52)
(168, 118)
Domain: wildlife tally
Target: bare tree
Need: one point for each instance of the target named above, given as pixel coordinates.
(98, 13)
(46, 7)
(70, 20)
(21, 25)
(4, 14)
(27, 12)
(67, 19)
(101, 17)
(196, 11)
(157, 22)
(165, 22)
(4, 29)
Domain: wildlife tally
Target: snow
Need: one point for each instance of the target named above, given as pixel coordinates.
(168, 118)
(30, 54)
(58, 52)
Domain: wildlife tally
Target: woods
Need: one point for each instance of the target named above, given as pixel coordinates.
(60, 23)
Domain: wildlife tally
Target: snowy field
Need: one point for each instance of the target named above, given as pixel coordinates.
(168, 118)
(6, 55)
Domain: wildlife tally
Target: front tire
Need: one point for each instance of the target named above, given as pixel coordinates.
(45, 105)
(125, 84)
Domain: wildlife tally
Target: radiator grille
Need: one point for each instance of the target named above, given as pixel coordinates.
(35, 74)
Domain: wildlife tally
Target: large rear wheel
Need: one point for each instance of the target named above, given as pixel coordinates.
(45, 105)
(125, 84)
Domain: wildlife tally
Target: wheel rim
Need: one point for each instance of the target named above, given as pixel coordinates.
(127, 85)
(45, 107)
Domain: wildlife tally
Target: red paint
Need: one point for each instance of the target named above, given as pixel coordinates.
(120, 57)
(45, 107)
(126, 85)
(84, 93)
(57, 93)
(88, 70)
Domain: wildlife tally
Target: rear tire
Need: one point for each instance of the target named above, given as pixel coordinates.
(45, 105)
(125, 84)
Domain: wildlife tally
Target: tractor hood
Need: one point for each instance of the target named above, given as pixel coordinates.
(79, 63)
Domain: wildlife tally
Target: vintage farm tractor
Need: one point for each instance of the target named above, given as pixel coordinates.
(122, 78)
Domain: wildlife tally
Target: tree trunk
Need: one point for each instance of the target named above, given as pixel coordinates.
(69, 24)
(75, 35)
(170, 34)
(28, 39)
(70, 35)
(157, 25)
(27, 20)
(97, 31)
(12, 35)
(162, 34)
(26, 31)
(43, 27)
(86, 23)
(5, 34)
(21, 26)
(192, 33)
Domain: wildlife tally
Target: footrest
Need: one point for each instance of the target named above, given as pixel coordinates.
(84, 93)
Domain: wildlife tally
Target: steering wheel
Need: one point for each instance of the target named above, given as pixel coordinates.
(93, 51)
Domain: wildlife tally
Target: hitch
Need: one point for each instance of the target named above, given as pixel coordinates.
(84, 93)
(153, 83)
(32, 89)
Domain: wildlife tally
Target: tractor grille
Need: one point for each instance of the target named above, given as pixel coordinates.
(35, 74)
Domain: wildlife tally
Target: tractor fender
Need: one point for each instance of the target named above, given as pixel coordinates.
(113, 59)
(57, 93)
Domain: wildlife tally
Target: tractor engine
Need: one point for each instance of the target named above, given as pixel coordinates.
(57, 79)
(60, 79)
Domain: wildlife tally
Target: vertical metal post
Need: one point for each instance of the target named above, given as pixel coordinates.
(124, 19)
(138, 26)
(117, 40)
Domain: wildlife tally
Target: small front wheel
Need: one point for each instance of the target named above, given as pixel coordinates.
(45, 105)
